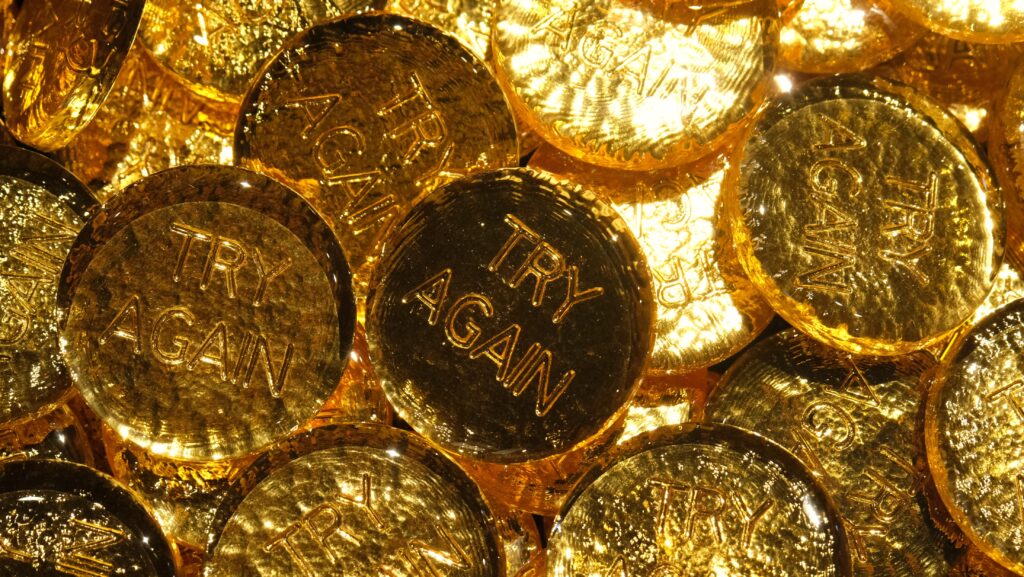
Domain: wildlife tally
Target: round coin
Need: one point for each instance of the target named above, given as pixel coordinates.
(988, 21)
(467, 20)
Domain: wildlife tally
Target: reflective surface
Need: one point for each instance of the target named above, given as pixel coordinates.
(467, 20)
(58, 435)
(664, 402)
(995, 21)
(1007, 152)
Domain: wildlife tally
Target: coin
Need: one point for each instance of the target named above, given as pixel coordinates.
(866, 215)
(612, 83)
(361, 155)
(698, 500)
(361, 500)
(66, 519)
(665, 401)
(214, 291)
(707, 309)
(510, 316)
(62, 59)
(1006, 150)
(467, 20)
(58, 435)
(359, 397)
(988, 21)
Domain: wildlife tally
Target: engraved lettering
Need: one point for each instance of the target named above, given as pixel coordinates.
(81, 559)
(127, 325)
(413, 117)
(913, 223)
(706, 510)
(574, 297)
(1012, 394)
(432, 293)
(470, 332)
(175, 356)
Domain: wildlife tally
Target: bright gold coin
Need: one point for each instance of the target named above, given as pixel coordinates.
(207, 312)
(707, 309)
(467, 20)
(698, 500)
(974, 434)
(62, 59)
(362, 156)
(1007, 152)
(988, 21)
(617, 85)
(866, 215)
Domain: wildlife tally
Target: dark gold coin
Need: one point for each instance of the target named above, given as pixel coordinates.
(468, 20)
(698, 500)
(207, 312)
(65, 519)
(866, 215)
(359, 500)
(62, 59)
(511, 316)
(361, 155)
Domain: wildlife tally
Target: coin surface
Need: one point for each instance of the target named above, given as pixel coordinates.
(611, 82)
(988, 21)
(361, 155)
(467, 20)
(363, 500)
(866, 215)
(62, 59)
(58, 435)
(207, 312)
(1006, 150)
(698, 500)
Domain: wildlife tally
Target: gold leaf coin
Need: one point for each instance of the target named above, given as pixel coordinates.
(988, 21)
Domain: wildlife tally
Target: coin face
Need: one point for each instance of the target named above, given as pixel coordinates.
(467, 20)
(695, 500)
(361, 155)
(617, 85)
(511, 316)
(62, 59)
(988, 21)
(356, 500)
(866, 216)
(208, 313)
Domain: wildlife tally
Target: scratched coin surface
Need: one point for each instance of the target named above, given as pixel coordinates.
(616, 84)
(65, 519)
(866, 215)
(988, 21)
(851, 420)
(974, 435)
(698, 500)
(707, 309)
(363, 114)
(62, 59)
(219, 46)
(42, 208)
(467, 20)
(207, 312)
(511, 316)
(361, 500)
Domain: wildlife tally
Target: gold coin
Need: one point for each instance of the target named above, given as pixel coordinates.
(707, 309)
(866, 215)
(610, 82)
(987, 21)
(149, 122)
(219, 46)
(974, 434)
(698, 500)
(62, 59)
(42, 208)
(510, 317)
(207, 313)
(359, 397)
(362, 156)
(467, 20)
(1007, 152)
(66, 519)
(359, 500)
(57, 435)
(665, 402)
(851, 420)
(828, 36)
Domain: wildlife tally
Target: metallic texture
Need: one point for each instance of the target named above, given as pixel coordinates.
(988, 21)
(362, 500)
(866, 215)
(207, 312)
(852, 421)
(359, 397)
(361, 156)
(974, 435)
(467, 20)
(707, 309)
(665, 401)
(511, 316)
(58, 435)
(1006, 149)
(624, 85)
(219, 46)
(62, 59)
(698, 500)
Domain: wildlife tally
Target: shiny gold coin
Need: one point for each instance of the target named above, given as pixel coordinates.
(359, 500)
(974, 435)
(698, 500)
(829, 36)
(467, 20)
(62, 59)
(665, 402)
(149, 122)
(617, 85)
(58, 435)
(511, 316)
(707, 309)
(207, 313)
(64, 519)
(42, 208)
(987, 21)
(219, 46)
(1007, 152)
(362, 156)
(851, 420)
(866, 215)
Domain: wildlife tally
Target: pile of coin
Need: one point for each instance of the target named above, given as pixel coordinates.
(424, 288)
